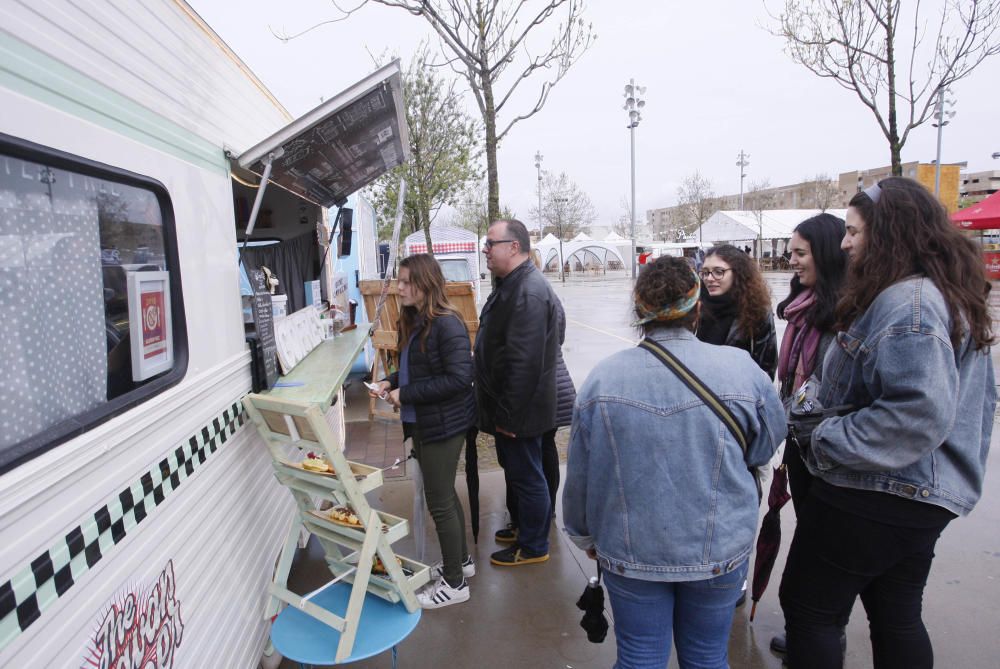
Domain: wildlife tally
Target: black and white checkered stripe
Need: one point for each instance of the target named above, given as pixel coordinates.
(26, 595)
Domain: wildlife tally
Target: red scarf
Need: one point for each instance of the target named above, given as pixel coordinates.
(800, 343)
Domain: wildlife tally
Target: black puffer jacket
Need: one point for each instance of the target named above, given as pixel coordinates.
(565, 390)
(440, 380)
(516, 349)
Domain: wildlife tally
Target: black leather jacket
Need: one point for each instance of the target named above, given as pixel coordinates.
(440, 380)
(516, 355)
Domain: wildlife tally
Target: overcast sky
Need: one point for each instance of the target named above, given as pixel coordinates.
(716, 81)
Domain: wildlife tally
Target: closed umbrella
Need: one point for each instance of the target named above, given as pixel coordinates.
(769, 538)
(472, 479)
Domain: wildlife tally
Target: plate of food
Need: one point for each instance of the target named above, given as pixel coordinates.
(379, 570)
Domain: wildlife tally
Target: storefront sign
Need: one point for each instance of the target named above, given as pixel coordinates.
(141, 629)
(991, 261)
(149, 323)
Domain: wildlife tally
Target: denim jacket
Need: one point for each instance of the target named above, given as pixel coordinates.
(655, 481)
(922, 429)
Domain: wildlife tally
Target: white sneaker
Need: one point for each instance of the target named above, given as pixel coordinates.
(441, 594)
(468, 568)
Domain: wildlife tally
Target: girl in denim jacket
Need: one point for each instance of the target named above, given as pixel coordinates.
(658, 489)
(912, 355)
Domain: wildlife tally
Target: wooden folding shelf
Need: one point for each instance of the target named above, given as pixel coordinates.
(293, 418)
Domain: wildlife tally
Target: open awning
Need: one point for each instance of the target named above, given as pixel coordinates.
(983, 215)
(342, 145)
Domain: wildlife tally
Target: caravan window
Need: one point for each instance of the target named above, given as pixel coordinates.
(74, 236)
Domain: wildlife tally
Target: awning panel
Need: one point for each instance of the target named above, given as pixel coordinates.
(342, 145)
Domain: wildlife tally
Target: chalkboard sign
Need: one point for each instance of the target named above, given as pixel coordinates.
(264, 322)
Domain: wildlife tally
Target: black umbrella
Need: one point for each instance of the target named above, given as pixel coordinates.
(591, 602)
(472, 479)
(769, 537)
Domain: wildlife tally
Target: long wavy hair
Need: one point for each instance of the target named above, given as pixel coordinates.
(908, 232)
(749, 292)
(427, 277)
(824, 232)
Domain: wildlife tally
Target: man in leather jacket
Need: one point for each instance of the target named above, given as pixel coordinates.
(515, 358)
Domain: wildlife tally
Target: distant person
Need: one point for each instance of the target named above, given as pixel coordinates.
(913, 359)
(736, 306)
(658, 489)
(433, 388)
(565, 397)
(747, 250)
(515, 358)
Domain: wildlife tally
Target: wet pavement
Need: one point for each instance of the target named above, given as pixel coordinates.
(525, 616)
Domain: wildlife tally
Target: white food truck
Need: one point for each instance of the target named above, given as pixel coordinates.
(140, 517)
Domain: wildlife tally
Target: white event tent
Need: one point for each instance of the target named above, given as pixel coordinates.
(580, 254)
(743, 227)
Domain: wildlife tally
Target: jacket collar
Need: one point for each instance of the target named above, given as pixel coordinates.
(671, 334)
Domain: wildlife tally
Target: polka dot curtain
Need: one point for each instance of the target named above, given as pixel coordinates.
(53, 351)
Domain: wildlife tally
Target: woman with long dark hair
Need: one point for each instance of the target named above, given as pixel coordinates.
(433, 388)
(736, 306)
(912, 358)
(819, 265)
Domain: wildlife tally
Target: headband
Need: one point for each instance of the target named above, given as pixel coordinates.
(670, 312)
(874, 192)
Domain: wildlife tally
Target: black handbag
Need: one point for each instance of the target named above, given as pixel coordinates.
(711, 400)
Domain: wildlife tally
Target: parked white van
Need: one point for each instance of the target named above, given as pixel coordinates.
(139, 512)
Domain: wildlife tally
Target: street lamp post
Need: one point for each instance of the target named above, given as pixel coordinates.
(942, 117)
(558, 203)
(744, 161)
(633, 103)
(538, 166)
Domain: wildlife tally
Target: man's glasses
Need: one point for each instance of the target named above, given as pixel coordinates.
(715, 272)
(490, 243)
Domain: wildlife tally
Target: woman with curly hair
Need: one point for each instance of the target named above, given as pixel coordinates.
(736, 306)
(912, 357)
(658, 489)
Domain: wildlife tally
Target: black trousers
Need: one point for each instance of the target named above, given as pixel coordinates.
(550, 467)
(835, 557)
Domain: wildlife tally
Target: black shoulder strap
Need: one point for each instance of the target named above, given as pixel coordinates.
(694, 383)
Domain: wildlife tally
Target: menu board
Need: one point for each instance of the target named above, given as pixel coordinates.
(341, 146)
(263, 319)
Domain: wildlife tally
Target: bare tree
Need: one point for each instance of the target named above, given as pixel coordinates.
(566, 210)
(760, 198)
(896, 75)
(623, 226)
(826, 192)
(696, 201)
(490, 43)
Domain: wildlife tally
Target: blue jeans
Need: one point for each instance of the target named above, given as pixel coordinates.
(521, 459)
(697, 615)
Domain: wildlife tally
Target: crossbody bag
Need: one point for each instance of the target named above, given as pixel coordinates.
(711, 400)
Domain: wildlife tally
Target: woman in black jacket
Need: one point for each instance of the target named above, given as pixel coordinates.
(736, 306)
(433, 389)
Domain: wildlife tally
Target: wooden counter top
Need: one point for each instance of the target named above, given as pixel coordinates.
(323, 371)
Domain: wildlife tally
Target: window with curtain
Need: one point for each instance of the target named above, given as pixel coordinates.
(70, 235)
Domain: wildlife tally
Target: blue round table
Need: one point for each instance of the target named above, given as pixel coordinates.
(304, 639)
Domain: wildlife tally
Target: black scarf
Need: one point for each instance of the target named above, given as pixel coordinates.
(717, 316)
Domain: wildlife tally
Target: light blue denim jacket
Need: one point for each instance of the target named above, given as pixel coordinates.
(655, 481)
(922, 429)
